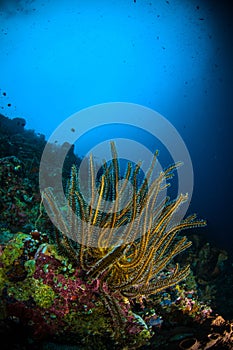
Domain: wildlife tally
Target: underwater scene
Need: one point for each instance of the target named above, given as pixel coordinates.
(115, 174)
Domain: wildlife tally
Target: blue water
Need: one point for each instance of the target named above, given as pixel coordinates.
(58, 57)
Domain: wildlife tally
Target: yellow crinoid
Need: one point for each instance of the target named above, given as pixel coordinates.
(125, 238)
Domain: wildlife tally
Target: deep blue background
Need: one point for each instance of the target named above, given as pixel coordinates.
(174, 56)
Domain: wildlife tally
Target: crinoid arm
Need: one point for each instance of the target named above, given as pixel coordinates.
(125, 237)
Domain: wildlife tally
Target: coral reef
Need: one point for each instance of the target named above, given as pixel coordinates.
(43, 292)
(57, 293)
(19, 196)
(81, 289)
(49, 295)
(20, 153)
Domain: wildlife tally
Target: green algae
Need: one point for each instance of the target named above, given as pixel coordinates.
(30, 266)
(42, 294)
(14, 249)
